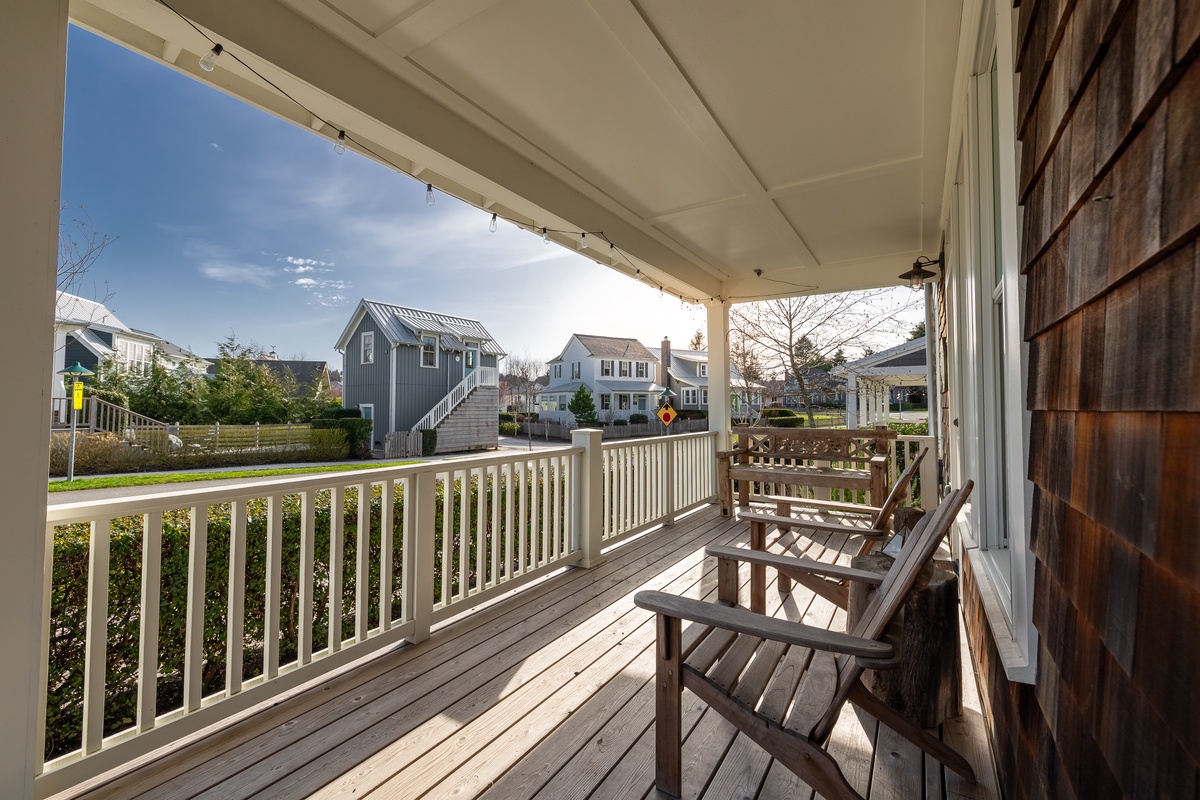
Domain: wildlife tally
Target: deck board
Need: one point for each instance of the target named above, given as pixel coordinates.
(548, 693)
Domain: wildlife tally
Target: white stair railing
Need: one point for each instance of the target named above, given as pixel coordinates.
(483, 376)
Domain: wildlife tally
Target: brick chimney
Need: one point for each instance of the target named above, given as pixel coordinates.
(665, 378)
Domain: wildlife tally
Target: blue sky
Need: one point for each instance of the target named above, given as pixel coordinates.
(232, 221)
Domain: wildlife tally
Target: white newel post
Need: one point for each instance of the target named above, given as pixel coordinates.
(851, 401)
(589, 500)
(419, 520)
(33, 47)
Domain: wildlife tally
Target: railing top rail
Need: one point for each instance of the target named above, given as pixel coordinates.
(614, 444)
(85, 511)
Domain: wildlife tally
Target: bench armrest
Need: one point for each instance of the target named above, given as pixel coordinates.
(878, 460)
(741, 620)
(795, 564)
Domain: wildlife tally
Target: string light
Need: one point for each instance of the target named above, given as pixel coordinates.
(210, 58)
(208, 63)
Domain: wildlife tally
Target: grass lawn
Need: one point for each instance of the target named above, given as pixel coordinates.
(155, 478)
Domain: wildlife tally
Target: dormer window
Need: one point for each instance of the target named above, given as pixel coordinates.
(703, 370)
(429, 352)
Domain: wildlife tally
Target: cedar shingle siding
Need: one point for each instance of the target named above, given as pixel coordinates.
(1109, 122)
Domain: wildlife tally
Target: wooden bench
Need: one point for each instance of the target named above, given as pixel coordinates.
(803, 457)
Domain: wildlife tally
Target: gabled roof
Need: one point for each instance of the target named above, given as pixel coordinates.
(905, 354)
(304, 373)
(613, 347)
(405, 326)
(69, 309)
(684, 365)
(93, 343)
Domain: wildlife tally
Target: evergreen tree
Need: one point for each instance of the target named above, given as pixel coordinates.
(584, 408)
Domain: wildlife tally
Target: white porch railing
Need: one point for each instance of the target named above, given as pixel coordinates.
(924, 491)
(174, 611)
(481, 376)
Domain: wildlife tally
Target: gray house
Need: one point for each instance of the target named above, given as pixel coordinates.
(409, 369)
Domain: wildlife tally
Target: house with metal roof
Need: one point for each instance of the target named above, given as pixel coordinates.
(622, 375)
(870, 380)
(88, 332)
(688, 371)
(409, 369)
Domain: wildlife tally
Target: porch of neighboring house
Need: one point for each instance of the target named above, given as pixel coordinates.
(546, 691)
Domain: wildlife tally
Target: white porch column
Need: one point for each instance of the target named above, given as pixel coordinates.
(33, 46)
(718, 370)
(852, 401)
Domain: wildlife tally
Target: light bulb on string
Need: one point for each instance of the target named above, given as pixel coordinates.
(339, 146)
(612, 252)
(583, 241)
(210, 58)
(545, 237)
(429, 194)
(492, 226)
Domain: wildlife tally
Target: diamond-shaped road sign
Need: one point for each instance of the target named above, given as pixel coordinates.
(666, 414)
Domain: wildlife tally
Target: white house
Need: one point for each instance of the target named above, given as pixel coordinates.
(621, 374)
(869, 380)
(689, 380)
(88, 332)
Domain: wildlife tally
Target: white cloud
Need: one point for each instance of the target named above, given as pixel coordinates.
(216, 147)
(237, 273)
(305, 282)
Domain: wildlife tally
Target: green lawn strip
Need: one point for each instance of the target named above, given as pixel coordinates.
(153, 479)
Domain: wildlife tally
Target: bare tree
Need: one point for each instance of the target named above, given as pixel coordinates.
(79, 246)
(748, 370)
(697, 342)
(522, 374)
(798, 333)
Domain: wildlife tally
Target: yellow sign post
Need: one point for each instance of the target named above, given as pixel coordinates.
(78, 389)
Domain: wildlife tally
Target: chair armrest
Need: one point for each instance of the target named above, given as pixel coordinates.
(741, 620)
(728, 453)
(795, 564)
(878, 460)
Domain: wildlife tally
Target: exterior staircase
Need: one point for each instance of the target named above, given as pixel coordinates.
(465, 419)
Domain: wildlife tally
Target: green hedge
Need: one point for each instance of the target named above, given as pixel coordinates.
(68, 601)
(638, 419)
(341, 413)
(508, 429)
(357, 431)
(774, 413)
(429, 442)
(506, 416)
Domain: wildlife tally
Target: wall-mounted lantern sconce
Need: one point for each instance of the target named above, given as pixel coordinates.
(918, 274)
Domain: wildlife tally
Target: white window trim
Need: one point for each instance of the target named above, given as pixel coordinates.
(366, 350)
(1004, 574)
(703, 370)
(691, 396)
(624, 369)
(704, 397)
(437, 356)
(606, 368)
(641, 369)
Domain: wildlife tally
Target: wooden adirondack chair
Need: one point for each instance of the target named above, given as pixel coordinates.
(714, 667)
(878, 531)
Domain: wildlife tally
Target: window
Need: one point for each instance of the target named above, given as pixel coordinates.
(605, 402)
(641, 369)
(606, 368)
(558, 370)
(368, 347)
(563, 402)
(624, 369)
(429, 351)
(623, 402)
(986, 359)
(471, 356)
(575, 370)
(641, 402)
(704, 397)
(703, 370)
(689, 396)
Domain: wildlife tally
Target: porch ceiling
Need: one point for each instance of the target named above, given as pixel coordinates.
(806, 139)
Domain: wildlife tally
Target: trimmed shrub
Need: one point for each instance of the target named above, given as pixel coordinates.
(619, 422)
(777, 413)
(638, 419)
(357, 432)
(505, 416)
(429, 442)
(508, 429)
(336, 412)
(785, 422)
(691, 413)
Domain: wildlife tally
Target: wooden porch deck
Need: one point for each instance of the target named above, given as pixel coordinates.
(547, 693)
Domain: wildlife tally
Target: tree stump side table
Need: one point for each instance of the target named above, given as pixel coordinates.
(926, 687)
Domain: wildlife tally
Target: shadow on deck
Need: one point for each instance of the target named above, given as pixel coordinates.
(547, 693)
